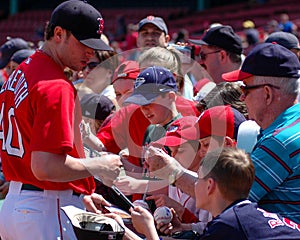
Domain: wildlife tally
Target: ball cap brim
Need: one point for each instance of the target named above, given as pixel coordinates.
(97, 44)
(235, 76)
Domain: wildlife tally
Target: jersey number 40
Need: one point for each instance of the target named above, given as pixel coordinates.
(12, 142)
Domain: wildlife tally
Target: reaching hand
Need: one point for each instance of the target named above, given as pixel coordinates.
(129, 185)
(162, 165)
(95, 203)
(164, 200)
(142, 220)
(4, 189)
(174, 226)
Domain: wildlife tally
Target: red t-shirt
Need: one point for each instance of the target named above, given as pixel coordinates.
(40, 112)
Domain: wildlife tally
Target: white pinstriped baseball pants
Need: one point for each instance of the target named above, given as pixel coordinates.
(28, 214)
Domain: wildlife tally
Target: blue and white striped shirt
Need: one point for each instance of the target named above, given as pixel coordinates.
(276, 158)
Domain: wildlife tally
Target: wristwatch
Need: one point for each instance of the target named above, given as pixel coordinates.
(172, 177)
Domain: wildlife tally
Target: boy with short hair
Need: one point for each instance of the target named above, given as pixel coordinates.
(155, 91)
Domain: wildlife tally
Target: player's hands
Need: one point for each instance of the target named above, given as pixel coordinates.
(162, 165)
(106, 167)
(95, 203)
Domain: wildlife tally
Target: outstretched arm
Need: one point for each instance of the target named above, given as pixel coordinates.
(164, 166)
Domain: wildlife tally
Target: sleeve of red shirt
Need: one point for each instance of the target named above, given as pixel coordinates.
(189, 217)
(105, 134)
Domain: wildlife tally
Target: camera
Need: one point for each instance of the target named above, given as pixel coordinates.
(188, 52)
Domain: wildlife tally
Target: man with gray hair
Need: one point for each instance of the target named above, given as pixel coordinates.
(270, 75)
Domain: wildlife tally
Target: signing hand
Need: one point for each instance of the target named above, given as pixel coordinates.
(106, 167)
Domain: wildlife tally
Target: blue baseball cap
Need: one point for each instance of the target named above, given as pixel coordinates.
(151, 83)
(156, 21)
(288, 40)
(21, 55)
(9, 48)
(96, 106)
(267, 59)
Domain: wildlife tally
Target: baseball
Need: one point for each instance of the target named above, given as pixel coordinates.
(163, 215)
(141, 203)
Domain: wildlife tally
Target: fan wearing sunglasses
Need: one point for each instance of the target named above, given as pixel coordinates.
(270, 75)
(221, 51)
(98, 73)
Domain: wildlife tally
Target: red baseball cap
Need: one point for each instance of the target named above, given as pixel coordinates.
(237, 75)
(127, 70)
(180, 131)
(220, 121)
(217, 121)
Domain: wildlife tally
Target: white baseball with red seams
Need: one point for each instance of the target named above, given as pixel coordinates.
(163, 215)
(141, 203)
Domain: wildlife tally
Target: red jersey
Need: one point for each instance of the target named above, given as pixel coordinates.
(127, 127)
(40, 112)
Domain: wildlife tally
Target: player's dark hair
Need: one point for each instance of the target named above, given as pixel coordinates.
(49, 31)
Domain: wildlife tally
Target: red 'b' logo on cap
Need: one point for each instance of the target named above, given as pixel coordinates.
(101, 25)
(150, 18)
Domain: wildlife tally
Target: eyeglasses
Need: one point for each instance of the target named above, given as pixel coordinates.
(203, 55)
(245, 89)
(92, 65)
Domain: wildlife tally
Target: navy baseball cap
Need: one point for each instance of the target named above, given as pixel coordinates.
(223, 37)
(151, 83)
(288, 40)
(21, 55)
(96, 106)
(9, 48)
(84, 22)
(267, 59)
(156, 21)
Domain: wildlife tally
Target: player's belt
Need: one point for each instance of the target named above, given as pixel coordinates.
(34, 188)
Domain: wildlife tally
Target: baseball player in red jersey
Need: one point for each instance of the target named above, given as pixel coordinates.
(42, 153)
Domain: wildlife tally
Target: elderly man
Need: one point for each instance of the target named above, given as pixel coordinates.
(270, 75)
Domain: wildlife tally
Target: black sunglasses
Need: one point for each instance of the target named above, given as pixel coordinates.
(245, 89)
(203, 55)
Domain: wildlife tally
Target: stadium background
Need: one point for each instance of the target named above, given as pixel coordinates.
(26, 18)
